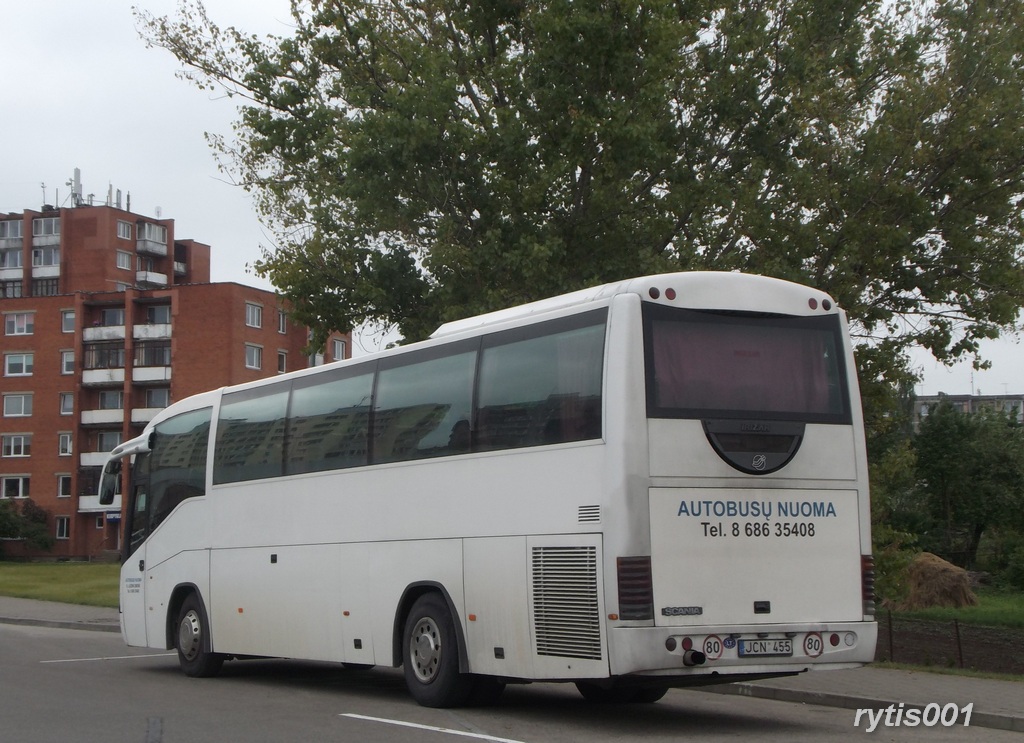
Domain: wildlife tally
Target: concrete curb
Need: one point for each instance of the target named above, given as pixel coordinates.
(1012, 723)
(98, 625)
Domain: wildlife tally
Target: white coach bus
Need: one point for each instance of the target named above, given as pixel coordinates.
(655, 483)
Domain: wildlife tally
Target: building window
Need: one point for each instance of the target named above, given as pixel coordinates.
(159, 314)
(67, 362)
(10, 289)
(124, 231)
(17, 445)
(100, 520)
(67, 321)
(152, 232)
(253, 357)
(112, 317)
(282, 322)
(64, 444)
(282, 362)
(104, 356)
(47, 256)
(10, 258)
(153, 354)
(10, 228)
(45, 287)
(17, 406)
(338, 349)
(124, 260)
(63, 524)
(20, 323)
(18, 365)
(16, 487)
(108, 440)
(67, 403)
(158, 397)
(45, 226)
(253, 315)
(63, 486)
(111, 400)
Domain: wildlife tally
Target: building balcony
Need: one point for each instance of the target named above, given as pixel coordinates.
(94, 459)
(151, 278)
(45, 272)
(103, 377)
(91, 504)
(180, 268)
(142, 416)
(103, 333)
(41, 241)
(104, 418)
(151, 374)
(11, 274)
(157, 331)
(10, 243)
(150, 247)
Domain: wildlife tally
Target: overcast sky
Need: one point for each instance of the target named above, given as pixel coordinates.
(83, 91)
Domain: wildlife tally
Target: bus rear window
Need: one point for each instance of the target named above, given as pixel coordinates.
(710, 365)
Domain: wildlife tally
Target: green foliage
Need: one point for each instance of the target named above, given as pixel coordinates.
(25, 520)
(422, 161)
(970, 469)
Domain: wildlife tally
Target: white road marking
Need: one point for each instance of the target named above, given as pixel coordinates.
(109, 657)
(430, 727)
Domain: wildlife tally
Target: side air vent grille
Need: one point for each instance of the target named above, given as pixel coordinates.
(565, 609)
(590, 514)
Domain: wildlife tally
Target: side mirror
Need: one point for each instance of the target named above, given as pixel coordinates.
(110, 482)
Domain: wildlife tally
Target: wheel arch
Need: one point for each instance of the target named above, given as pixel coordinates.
(412, 592)
(181, 592)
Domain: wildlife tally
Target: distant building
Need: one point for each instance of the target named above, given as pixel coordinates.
(1012, 404)
(107, 318)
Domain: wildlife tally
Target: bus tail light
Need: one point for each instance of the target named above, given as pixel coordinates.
(867, 579)
(636, 587)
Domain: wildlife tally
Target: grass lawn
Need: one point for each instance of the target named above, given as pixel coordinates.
(993, 610)
(91, 583)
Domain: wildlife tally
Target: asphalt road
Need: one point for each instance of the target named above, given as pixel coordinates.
(70, 685)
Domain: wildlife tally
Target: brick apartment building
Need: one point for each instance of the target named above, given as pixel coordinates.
(107, 318)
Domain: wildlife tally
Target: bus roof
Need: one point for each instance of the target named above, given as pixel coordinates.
(698, 289)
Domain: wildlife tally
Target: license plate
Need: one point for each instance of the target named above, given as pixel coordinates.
(765, 648)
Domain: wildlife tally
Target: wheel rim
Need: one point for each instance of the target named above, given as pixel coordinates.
(190, 633)
(425, 649)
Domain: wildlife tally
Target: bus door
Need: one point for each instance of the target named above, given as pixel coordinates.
(133, 571)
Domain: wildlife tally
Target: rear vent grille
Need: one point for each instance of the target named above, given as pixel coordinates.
(565, 610)
(589, 514)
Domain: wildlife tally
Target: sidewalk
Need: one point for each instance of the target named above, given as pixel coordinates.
(997, 704)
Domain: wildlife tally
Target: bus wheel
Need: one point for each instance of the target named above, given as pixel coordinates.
(431, 655)
(193, 656)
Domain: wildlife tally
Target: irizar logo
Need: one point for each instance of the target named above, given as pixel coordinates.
(755, 428)
(760, 462)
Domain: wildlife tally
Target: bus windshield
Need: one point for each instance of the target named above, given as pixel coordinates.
(713, 365)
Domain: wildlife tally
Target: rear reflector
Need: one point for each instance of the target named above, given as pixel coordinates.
(867, 579)
(636, 588)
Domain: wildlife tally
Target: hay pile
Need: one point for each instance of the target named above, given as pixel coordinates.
(934, 582)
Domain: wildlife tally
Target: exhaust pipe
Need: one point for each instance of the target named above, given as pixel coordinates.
(693, 658)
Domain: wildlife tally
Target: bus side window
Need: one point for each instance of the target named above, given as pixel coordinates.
(541, 390)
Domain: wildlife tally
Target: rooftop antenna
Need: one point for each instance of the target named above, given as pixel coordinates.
(43, 186)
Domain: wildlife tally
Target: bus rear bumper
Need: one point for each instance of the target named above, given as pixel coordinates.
(698, 653)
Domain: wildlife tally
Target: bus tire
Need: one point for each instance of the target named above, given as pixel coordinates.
(192, 642)
(431, 655)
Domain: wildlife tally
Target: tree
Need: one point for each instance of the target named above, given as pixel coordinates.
(26, 522)
(970, 467)
(424, 160)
